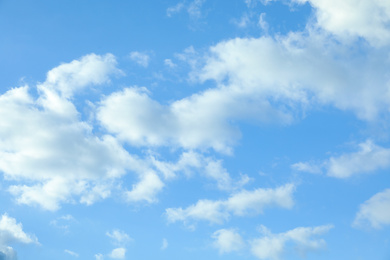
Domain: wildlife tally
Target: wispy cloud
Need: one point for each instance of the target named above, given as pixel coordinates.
(74, 254)
(239, 204)
(141, 58)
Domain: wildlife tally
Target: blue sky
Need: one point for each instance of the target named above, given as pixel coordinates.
(199, 129)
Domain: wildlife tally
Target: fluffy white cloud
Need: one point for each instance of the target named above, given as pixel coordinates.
(239, 204)
(12, 232)
(374, 212)
(140, 58)
(299, 70)
(91, 69)
(260, 80)
(272, 246)
(118, 253)
(368, 19)
(146, 189)
(227, 240)
(199, 121)
(55, 156)
(368, 159)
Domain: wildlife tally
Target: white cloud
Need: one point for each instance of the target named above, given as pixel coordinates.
(164, 244)
(368, 19)
(227, 240)
(272, 246)
(118, 253)
(199, 121)
(261, 80)
(74, 254)
(297, 71)
(140, 58)
(70, 77)
(239, 204)
(119, 237)
(247, 202)
(12, 232)
(55, 157)
(203, 210)
(146, 189)
(374, 212)
(368, 159)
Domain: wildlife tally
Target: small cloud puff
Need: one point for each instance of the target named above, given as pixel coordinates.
(140, 58)
(118, 253)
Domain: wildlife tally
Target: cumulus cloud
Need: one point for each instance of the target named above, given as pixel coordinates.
(91, 69)
(140, 58)
(298, 71)
(368, 19)
(199, 121)
(375, 212)
(272, 246)
(259, 80)
(240, 203)
(146, 189)
(227, 240)
(118, 253)
(369, 158)
(12, 232)
(55, 157)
